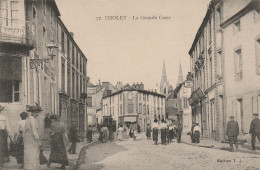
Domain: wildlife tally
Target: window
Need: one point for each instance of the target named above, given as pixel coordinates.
(113, 111)
(44, 7)
(238, 64)
(77, 59)
(62, 42)
(210, 70)
(68, 79)
(121, 109)
(185, 103)
(218, 17)
(89, 101)
(144, 109)
(219, 63)
(73, 55)
(148, 97)
(209, 30)
(257, 53)
(4, 11)
(62, 74)
(80, 88)
(237, 27)
(140, 96)
(140, 108)
(9, 91)
(52, 17)
(80, 63)
(121, 97)
(68, 49)
(14, 13)
(144, 97)
(148, 109)
(73, 84)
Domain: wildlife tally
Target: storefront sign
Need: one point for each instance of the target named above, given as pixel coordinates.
(129, 119)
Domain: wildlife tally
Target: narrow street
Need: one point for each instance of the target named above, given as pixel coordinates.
(143, 154)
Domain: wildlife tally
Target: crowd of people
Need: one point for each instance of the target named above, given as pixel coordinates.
(26, 145)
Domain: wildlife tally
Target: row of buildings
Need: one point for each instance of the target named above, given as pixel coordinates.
(40, 62)
(225, 67)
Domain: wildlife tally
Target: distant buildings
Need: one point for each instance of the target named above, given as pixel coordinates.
(224, 64)
(133, 103)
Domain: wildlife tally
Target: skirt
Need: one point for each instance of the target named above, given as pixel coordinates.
(163, 135)
(3, 145)
(196, 136)
(155, 134)
(171, 134)
(148, 133)
(58, 150)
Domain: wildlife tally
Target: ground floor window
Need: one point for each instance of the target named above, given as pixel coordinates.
(9, 91)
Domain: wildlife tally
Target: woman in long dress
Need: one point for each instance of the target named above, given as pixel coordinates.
(20, 143)
(155, 131)
(163, 131)
(171, 128)
(4, 133)
(58, 149)
(148, 131)
(120, 133)
(31, 140)
(196, 133)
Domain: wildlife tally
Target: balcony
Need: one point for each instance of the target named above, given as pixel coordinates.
(17, 32)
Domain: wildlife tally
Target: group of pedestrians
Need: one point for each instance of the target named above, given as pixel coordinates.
(232, 131)
(26, 144)
(106, 132)
(168, 132)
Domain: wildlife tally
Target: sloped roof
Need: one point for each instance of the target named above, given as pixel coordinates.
(90, 85)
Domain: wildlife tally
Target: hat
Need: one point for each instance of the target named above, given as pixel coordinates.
(55, 117)
(1, 108)
(255, 114)
(36, 108)
(231, 117)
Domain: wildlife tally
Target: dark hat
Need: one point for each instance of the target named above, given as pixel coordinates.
(55, 117)
(1, 108)
(23, 115)
(255, 114)
(231, 117)
(36, 108)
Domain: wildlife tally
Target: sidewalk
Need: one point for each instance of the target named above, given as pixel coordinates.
(72, 157)
(206, 143)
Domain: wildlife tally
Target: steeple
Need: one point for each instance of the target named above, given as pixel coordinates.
(180, 76)
(164, 85)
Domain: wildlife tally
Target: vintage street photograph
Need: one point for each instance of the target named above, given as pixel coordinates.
(129, 84)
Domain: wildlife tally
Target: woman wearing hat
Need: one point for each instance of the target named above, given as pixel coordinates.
(31, 139)
(4, 133)
(58, 149)
(20, 144)
(155, 128)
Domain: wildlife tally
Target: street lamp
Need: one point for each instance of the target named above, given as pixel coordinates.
(34, 63)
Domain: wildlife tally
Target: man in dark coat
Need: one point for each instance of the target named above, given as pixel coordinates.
(255, 130)
(232, 132)
(178, 132)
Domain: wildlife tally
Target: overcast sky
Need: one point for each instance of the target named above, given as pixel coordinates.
(133, 50)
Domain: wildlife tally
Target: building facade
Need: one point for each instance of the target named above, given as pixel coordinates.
(223, 63)
(72, 80)
(131, 104)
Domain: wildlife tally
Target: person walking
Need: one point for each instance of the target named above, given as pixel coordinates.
(120, 132)
(73, 139)
(19, 141)
(196, 133)
(192, 128)
(155, 128)
(163, 128)
(255, 130)
(171, 132)
(133, 129)
(58, 149)
(111, 132)
(5, 131)
(31, 139)
(232, 132)
(178, 133)
(148, 131)
(138, 128)
(89, 134)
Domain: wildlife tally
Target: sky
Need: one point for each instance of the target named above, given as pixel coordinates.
(132, 51)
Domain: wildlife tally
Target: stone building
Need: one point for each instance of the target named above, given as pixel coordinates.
(220, 87)
(134, 104)
(72, 79)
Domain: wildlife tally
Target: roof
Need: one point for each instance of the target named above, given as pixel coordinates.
(90, 85)
(55, 6)
(130, 88)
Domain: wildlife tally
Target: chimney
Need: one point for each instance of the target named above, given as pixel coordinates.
(72, 34)
(141, 86)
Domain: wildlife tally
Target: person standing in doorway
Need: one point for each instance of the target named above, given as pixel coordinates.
(255, 130)
(5, 131)
(232, 132)
(178, 133)
(73, 139)
(155, 128)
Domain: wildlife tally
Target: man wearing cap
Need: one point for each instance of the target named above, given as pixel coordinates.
(232, 132)
(255, 130)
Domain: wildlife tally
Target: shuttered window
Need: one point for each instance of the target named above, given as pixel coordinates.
(257, 53)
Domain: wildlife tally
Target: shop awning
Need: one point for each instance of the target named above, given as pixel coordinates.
(196, 95)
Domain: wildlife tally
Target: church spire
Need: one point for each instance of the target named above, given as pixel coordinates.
(180, 76)
(164, 76)
(164, 86)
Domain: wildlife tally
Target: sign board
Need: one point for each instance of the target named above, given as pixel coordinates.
(188, 84)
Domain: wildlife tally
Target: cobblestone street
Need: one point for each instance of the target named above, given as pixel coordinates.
(143, 154)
